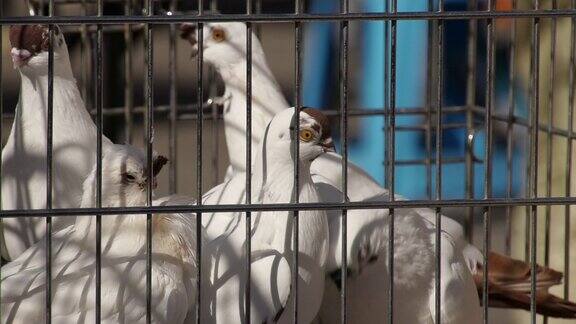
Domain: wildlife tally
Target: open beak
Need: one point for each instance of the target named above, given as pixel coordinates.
(20, 57)
(188, 32)
(328, 145)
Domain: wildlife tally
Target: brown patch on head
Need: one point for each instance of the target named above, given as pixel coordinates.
(33, 38)
(157, 164)
(322, 120)
(188, 32)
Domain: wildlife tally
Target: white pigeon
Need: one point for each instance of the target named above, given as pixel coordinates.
(24, 160)
(123, 290)
(225, 48)
(223, 255)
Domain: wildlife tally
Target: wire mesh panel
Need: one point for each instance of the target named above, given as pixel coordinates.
(491, 145)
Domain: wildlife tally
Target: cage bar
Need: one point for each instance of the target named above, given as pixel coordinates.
(173, 120)
(569, 149)
(248, 229)
(49, 166)
(510, 127)
(149, 138)
(99, 105)
(128, 80)
(391, 143)
(438, 183)
(488, 155)
(199, 155)
(343, 85)
(549, 138)
(535, 111)
(292, 18)
(298, 8)
(471, 62)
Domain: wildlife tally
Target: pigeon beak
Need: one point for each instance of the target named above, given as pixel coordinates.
(328, 145)
(144, 185)
(188, 32)
(20, 57)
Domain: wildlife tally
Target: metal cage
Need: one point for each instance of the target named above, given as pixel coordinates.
(546, 181)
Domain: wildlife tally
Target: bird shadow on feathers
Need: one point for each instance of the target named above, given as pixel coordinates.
(222, 250)
(78, 269)
(19, 176)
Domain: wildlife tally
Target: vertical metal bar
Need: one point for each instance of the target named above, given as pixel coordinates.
(510, 128)
(391, 157)
(173, 104)
(42, 8)
(49, 169)
(128, 82)
(550, 141)
(212, 92)
(470, 104)
(258, 29)
(199, 125)
(149, 140)
(215, 156)
(534, 157)
(343, 51)
(1, 127)
(488, 152)
(439, 97)
(386, 93)
(99, 104)
(248, 160)
(568, 189)
(299, 4)
(213, 5)
(429, 100)
(84, 50)
(549, 137)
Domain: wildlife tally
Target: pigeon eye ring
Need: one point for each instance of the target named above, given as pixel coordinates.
(218, 34)
(306, 135)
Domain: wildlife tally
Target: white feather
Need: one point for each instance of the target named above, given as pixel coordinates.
(367, 229)
(271, 242)
(123, 284)
(24, 161)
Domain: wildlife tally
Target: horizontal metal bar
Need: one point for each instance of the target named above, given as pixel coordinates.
(73, 29)
(488, 202)
(423, 161)
(69, 2)
(188, 112)
(301, 17)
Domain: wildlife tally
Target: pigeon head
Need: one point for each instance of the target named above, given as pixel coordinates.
(314, 135)
(224, 44)
(30, 45)
(124, 176)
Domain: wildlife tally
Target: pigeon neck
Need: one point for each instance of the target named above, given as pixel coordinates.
(274, 177)
(68, 110)
(86, 224)
(265, 89)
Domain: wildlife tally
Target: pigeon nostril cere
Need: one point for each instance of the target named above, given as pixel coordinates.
(20, 57)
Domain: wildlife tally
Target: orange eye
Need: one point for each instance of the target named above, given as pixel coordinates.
(218, 34)
(306, 135)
